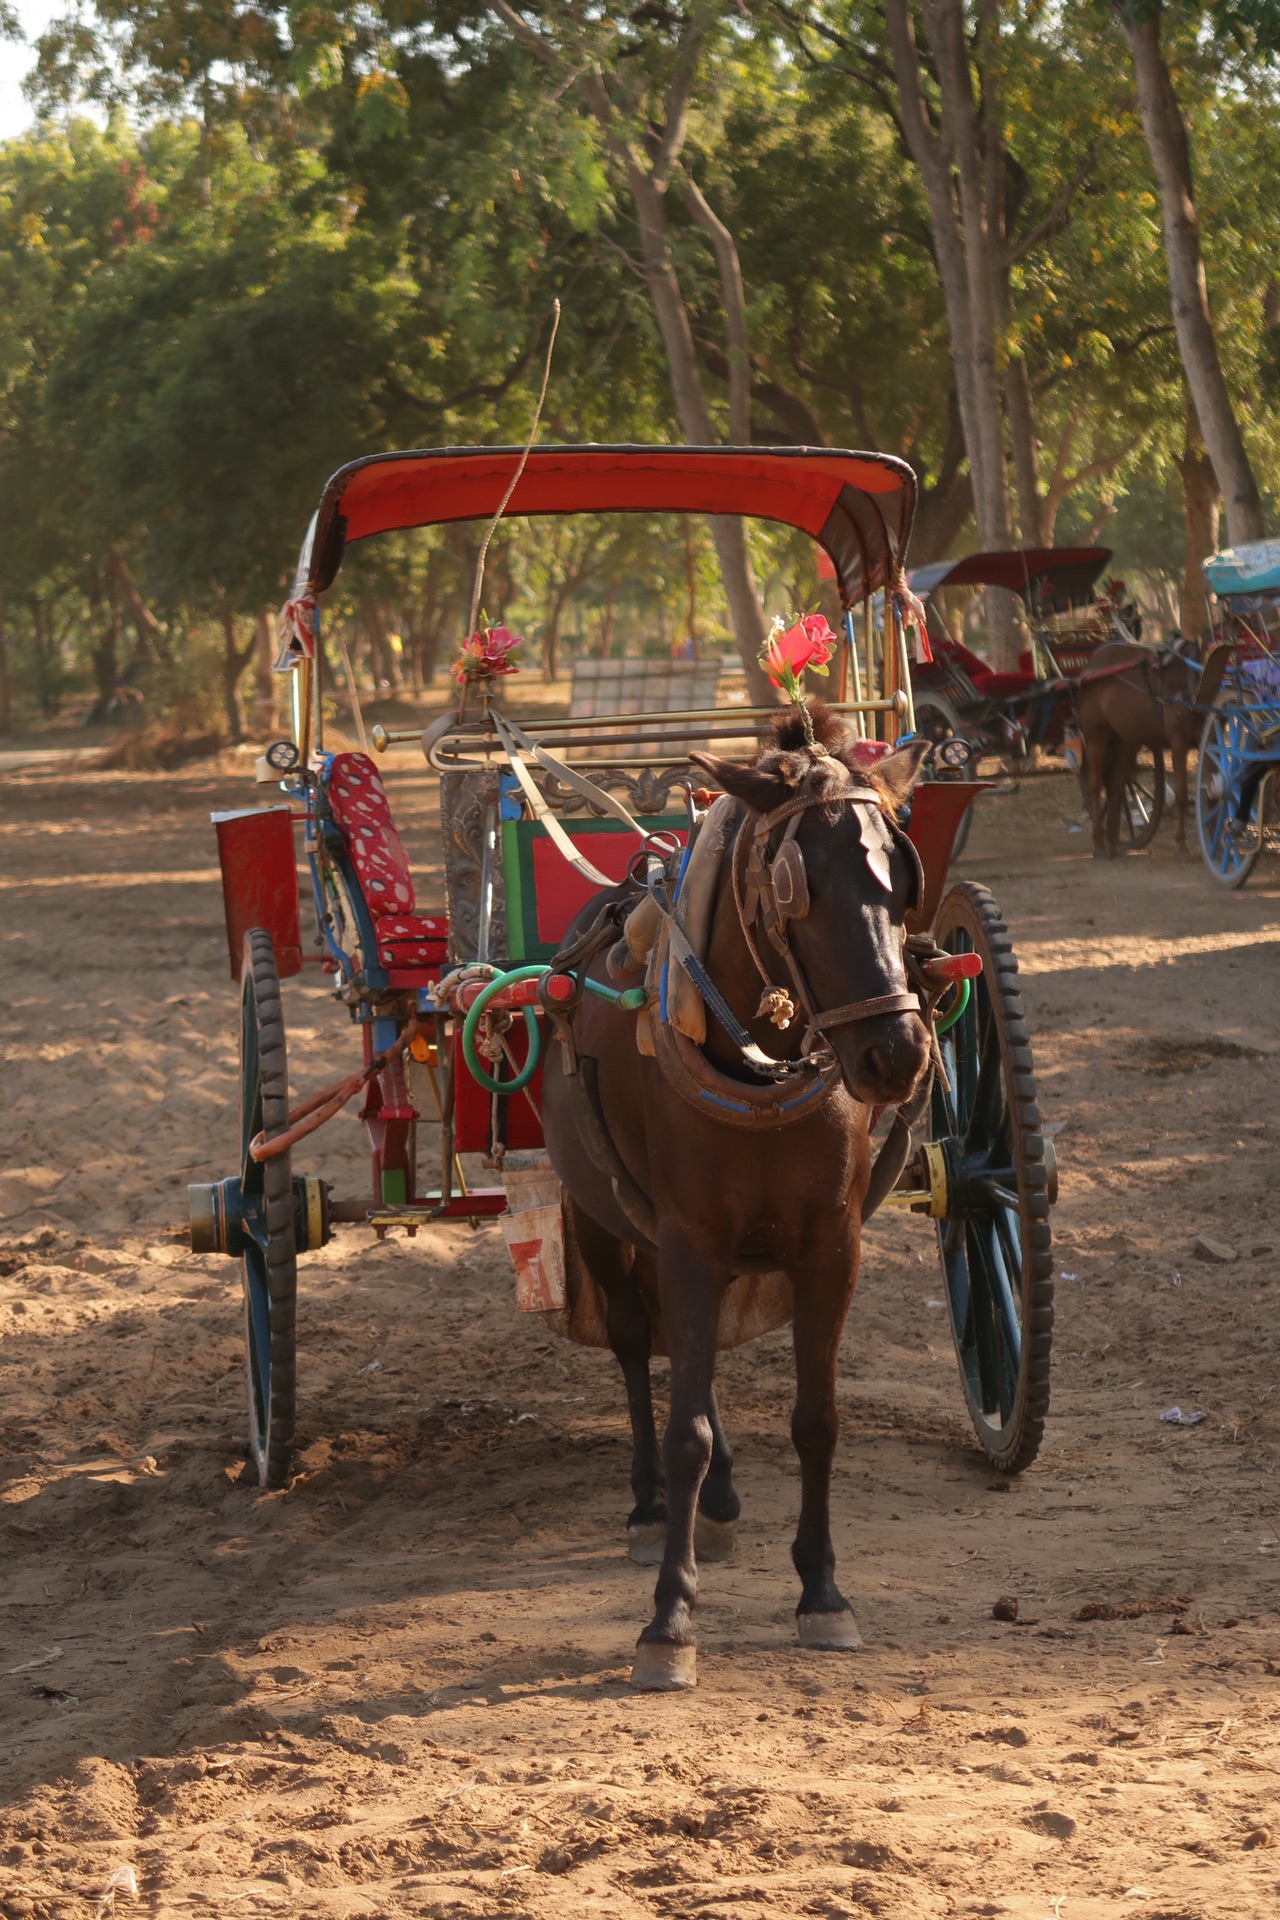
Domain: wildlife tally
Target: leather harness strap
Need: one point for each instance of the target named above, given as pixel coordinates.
(867, 1010)
(756, 898)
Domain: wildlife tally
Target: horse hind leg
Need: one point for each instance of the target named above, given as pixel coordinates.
(631, 1340)
(716, 1528)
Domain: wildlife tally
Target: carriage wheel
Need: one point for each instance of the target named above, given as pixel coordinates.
(269, 1265)
(987, 1155)
(1142, 804)
(937, 720)
(1229, 856)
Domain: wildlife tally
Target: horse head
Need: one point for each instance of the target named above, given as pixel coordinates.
(824, 879)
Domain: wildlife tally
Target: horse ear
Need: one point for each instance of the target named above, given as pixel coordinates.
(760, 790)
(899, 771)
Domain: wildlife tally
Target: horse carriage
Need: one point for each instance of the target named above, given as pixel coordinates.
(1240, 687)
(545, 818)
(1016, 715)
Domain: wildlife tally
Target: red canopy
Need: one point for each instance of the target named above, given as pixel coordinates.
(1054, 578)
(858, 506)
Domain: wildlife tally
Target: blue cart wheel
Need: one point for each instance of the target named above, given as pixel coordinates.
(269, 1266)
(987, 1157)
(1230, 853)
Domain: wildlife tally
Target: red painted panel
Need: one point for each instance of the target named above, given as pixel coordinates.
(937, 808)
(471, 1104)
(260, 883)
(561, 892)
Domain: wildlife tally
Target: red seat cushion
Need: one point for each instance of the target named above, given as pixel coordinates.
(358, 802)
(413, 939)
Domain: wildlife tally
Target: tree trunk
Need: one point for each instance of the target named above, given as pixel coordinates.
(607, 620)
(746, 614)
(104, 620)
(963, 250)
(1201, 504)
(729, 267)
(1022, 436)
(1170, 151)
(551, 634)
(148, 629)
(264, 680)
(234, 661)
(6, 699)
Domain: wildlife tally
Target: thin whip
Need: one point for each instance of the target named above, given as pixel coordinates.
(478, 588)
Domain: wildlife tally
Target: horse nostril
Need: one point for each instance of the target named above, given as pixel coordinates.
(875, 1063)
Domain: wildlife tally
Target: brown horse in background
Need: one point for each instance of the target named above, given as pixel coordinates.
(1150, 705)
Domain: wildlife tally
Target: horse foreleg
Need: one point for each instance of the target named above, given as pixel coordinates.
(631, 1340)
(824, 1617)
(716, 1529)
(691, 1286)
(1119, 772)
(1179, 750)
(1097, 753)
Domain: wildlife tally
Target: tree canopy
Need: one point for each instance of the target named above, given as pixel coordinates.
(297, 234)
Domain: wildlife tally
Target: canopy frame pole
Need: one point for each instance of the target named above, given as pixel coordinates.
(849, 669)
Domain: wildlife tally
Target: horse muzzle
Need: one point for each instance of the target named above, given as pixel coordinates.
(883, 1059)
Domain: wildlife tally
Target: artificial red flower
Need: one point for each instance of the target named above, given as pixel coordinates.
(804, 648)
(487, 654)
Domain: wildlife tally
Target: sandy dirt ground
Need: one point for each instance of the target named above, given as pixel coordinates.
(398, 1688)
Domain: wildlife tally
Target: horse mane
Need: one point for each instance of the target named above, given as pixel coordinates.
(785, 760)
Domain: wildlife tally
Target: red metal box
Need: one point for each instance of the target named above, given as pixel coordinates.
(260, 882)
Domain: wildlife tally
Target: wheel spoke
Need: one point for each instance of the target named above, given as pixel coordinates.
(983, 1119)
(1006, 1325)
(986, 1339)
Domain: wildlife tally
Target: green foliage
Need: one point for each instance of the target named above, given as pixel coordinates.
(331, 229)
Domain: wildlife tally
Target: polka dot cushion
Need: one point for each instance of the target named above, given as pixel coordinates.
(358, 801)
(413, 939)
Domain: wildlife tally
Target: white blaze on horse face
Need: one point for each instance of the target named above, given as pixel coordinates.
(878, 842)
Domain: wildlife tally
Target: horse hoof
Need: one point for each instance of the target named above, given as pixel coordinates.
(829, 1632)
(714, 1539)
(660, 1668)
(647, 1542)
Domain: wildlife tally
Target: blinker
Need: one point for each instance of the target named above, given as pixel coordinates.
(790, 882)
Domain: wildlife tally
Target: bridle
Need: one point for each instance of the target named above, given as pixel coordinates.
(771, 886)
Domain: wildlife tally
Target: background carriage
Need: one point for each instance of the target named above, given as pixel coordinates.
(1013, 716)
(452, 1001)
(1240, 744)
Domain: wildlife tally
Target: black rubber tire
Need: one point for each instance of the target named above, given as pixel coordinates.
(269, 1269)
(997, 1260)
(1227, 740)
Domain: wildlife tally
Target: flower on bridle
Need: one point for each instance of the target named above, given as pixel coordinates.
(791, 651)
(486, 655)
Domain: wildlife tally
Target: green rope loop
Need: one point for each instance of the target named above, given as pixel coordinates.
(629, 999)
(470, 1025)
(946, 1021)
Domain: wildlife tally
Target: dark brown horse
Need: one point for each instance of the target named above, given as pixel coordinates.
(731, 1196)
(1149, 704)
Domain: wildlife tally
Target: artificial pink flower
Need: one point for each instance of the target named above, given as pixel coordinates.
(804, 648)
(487, 654)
